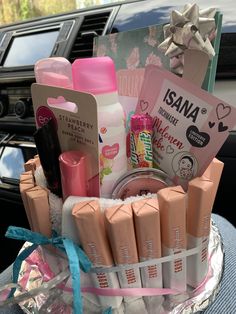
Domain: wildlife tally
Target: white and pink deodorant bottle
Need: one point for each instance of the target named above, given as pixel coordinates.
(98, 77)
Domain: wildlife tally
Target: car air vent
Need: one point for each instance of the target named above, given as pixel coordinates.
(227, 56)
(92, 25)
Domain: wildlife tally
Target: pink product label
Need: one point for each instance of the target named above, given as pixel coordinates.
(189, 124)
(110, 152)
(113, 162)
(43, 115)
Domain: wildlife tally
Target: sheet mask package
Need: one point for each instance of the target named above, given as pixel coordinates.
(138, 250)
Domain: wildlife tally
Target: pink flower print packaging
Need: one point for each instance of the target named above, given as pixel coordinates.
(189, 124)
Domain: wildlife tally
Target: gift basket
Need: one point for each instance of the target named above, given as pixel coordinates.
(120, 216)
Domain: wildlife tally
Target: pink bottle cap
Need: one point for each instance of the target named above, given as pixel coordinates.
(141, 122)
(73, 173)
(55, 79)
(94, 75)
(54, 72)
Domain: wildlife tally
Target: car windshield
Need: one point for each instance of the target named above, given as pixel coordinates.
(16, 11)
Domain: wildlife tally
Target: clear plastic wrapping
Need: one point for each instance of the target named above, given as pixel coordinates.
(44, 285)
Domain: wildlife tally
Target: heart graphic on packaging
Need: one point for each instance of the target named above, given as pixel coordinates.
(197, 138)
(143, 105)
(169, 149)
(222, 127)
(110, 152)
(211, 124)
(222, 111)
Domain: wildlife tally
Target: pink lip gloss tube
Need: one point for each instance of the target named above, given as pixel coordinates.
(148, 236)
(73, 173)
(172, 204)
(91, 231)
(121, 233)
(201, 198)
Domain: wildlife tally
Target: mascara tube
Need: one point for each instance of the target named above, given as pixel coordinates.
(47, 143)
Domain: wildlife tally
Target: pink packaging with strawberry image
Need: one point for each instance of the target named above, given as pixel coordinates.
(189, 124)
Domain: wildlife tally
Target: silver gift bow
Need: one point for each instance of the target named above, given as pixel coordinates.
(191, 29)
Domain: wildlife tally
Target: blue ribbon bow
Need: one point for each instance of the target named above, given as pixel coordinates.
(76, 257)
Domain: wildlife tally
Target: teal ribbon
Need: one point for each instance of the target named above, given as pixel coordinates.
(76, 257)
(108, 311)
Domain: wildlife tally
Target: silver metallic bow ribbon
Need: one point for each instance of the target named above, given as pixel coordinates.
(191, 29)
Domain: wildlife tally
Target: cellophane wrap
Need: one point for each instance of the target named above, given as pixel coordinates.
(45, 284)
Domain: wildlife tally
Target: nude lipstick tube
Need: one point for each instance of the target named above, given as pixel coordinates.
(121, 234)
(201, 195)
(39, 208)
(172, 204)
(91, 231)
(213, 172)
(24, 187)
(148, 236)
(32, 164)
(27, 175)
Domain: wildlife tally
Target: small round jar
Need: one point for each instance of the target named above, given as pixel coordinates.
(139, 182)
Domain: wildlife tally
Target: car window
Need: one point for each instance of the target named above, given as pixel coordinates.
(16, 11)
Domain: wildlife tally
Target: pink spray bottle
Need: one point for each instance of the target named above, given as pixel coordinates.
(98, 77)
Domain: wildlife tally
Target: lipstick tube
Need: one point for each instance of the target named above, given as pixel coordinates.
(172, 204)
(148, 236)
(27, 175)
(48, 147)
(24, 187)
(90, 225)
(200, 202)
(121, 234)
(213, 172)
(73, 173)
(32, 164)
